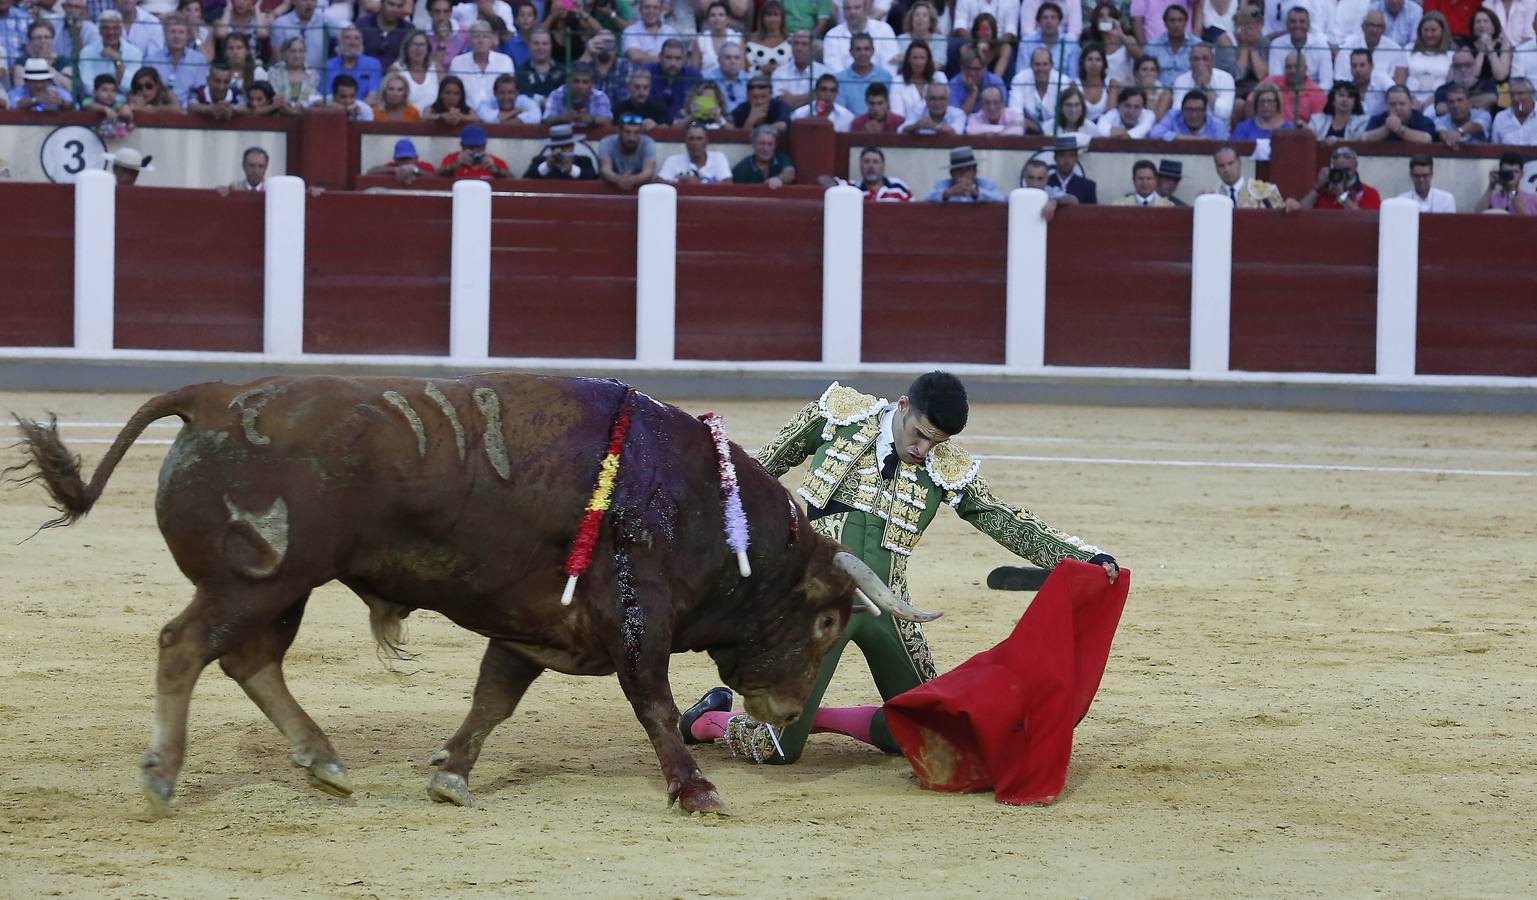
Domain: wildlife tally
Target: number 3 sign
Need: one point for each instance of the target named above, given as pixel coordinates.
(70, 150)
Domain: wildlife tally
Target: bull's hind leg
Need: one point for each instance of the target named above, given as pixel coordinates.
(216, 622)
(504, 677)
(257, 666)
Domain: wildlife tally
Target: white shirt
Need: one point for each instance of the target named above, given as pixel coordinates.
(425, 94)
(1439, 201)
(528, 110)
(1427, 71)
(1516, 24)
(1220, 91)
(1112, 119)
(706, 45)
(1320, 18)
(886, 441)
(1023, 97)
(1347, 16)
(1320, 61)
(714, 171)
(1375, 98)
(790, 80)
(478, 85)
(1388, 56)
(636, 37)
(467, 13)
(1006, 12)
(840, 117)
(835, 46)
(1509, 131)
(1523, 62)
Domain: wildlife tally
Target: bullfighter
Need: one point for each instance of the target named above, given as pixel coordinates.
(879, 473)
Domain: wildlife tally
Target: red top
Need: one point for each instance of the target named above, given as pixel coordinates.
(1459, 13)
(484, 171)
(1366, 198)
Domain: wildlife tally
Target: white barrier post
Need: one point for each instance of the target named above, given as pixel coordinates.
(843, 274)
(1211, 283)
(1398, 288)
(469, 310)
(656, 274)
(1024, 342)
(95, 258)
(283, 268)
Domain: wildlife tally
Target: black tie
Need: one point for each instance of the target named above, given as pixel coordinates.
(889, 467)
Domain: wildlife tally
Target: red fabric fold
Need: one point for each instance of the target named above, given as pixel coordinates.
(1004, 719)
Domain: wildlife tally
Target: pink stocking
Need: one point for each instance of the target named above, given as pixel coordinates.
(711, 726)
(853, 721)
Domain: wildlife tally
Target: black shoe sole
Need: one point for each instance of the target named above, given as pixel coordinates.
(716, 699)
(1016, 578)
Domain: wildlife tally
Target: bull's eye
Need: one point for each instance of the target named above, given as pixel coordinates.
(827, 623)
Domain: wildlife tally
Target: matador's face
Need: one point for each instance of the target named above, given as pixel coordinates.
(915, 436)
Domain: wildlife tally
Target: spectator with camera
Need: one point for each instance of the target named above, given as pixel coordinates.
(1400, 121)
(1504, 193)
(1430, 199)
(1517, 125)
(610, 71)
(578, 103)
(1339, 186)
(697, 164)
(404, 165)
(627, 160)
(558, 160)
(472, 160)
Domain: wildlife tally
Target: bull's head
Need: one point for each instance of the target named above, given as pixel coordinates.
(776, 669)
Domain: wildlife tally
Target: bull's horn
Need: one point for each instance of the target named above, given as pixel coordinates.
(863, 604)
(876, 590)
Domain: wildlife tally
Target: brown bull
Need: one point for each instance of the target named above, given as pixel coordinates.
(463, 496)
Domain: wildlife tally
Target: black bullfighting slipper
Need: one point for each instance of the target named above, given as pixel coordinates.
(1016, 578)
(714, 700)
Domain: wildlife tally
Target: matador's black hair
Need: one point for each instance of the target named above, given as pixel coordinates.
(942, 398)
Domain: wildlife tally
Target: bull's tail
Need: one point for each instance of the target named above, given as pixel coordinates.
(46, 459)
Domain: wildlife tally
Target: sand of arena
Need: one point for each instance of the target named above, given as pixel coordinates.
(1324, 685)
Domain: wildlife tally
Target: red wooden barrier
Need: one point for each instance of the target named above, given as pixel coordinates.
(934, 282)
(749, 279)
(37, 287)
(1304, 292)
(376, 274)
(562, 276)
(1118, 287)
(189, 270)
(1477, 296)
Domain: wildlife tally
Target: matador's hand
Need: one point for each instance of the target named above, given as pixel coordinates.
(1112, 569)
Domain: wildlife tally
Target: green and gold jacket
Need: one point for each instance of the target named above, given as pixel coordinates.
(840, 430)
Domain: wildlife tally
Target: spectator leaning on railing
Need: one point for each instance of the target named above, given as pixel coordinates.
(627, 160)
(1461, 123)
(507, 106)
(766, 164)
(937, 115)
(1189, 122)
(697, 164)
(963, 185)
(1130, 119)
(1401, 121)
(1430, 199)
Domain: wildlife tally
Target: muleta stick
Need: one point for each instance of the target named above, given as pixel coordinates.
(730, 493)
(602, 494)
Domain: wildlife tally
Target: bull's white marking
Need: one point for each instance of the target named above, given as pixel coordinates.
(436, 396)
(496, 448)
(271, 526)
(398, 400)
(248, 414)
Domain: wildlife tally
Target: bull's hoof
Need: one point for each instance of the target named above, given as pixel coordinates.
(157, 793)
(446, 787)
(702, 799)
(330, 777)
(437, 757)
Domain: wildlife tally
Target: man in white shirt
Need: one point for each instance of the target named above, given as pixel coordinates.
(1034, 90)
(1388, 56)
(479, 67)
(1320, 17)
(1005, 12)
(1310, 44)
(1430, 199)
(793, 83)
(144, 32)
(835, 46)
(824, 104)
(1517, 125)
(644, 38)
(1212, 81)
(1130, 119)
(1372, 84)
(697, 164)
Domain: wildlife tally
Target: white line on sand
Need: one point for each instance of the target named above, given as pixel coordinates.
(1224, 464)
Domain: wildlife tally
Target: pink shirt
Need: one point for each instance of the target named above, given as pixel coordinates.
(1013, 122)
(1151, 12)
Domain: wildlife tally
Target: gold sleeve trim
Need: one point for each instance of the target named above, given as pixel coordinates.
(1019, 531)
(798, 439)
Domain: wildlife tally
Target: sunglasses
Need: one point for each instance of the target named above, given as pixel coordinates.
(631, 119)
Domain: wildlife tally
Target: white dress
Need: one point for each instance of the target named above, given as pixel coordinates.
(907, 99)
(1118, 66)
(1225, 22)
(706, 45)
(1094, 110)
(425, 94)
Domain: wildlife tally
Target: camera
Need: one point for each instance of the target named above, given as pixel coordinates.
(1508, 176)
(1337, 175)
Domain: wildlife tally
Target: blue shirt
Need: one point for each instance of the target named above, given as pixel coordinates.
(368, 72)
(287, 27)
(182, 79)
(22, 100)
(1171, 63)
(1173, 125)
(13, 34)
(671, 92)
(598, 104)
(1478, 116)
(1064, 53)
(851, 87)
(92, 63)
(958, 90)
(1249, 130)
(1405, 26)
(987, 192)
(1417, 121)
(515, 48)
(733, 89)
